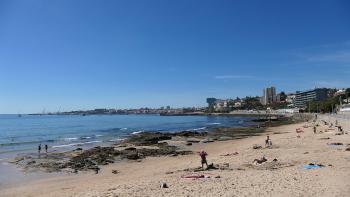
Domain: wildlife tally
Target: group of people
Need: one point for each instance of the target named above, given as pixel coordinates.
(203, 154)
(39, 148)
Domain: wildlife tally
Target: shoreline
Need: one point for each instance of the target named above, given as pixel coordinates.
(219, 134)
(240, 178)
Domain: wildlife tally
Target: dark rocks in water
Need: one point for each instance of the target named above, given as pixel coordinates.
(147, 138)
(153, 138)
(130, 148)
(190, 134)
(132, 156)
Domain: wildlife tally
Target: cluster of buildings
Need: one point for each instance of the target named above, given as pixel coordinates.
(270, 97)
(161, 110)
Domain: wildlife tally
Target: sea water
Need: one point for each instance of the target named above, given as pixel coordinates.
(59, 132)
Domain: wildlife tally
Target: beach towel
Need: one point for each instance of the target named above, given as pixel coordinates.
(308, 167)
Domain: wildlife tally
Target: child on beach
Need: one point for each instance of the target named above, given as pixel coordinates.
(203, 156)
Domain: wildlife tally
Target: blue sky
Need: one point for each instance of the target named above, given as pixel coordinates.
(86, 54)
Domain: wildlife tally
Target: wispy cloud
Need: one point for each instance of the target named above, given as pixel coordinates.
(336, 56)
(336, 53)
(233, 77)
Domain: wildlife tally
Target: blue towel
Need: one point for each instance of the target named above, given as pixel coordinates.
(312, 166)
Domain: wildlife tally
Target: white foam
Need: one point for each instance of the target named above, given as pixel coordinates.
(214, 123)
(198, 129)
(67, 145)
(123, 129)
(136, 132)
(70, 138)
(91, 142)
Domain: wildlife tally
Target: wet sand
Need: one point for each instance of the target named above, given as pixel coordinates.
(286, 177)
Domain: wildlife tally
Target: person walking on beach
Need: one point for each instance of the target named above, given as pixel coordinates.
(268, 142)
(39, 149)
(46, 147)
(203, 156)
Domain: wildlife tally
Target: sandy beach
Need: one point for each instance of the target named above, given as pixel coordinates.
(237, 175)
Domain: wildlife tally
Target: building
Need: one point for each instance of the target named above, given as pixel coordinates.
(290, 100)
(302, 98)
(269, 96)
(211, 101)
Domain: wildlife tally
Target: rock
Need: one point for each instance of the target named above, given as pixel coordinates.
(336, 144)
(130, 149)
(207, 141)
(193, 140)
(217, 177)
(169, 173)
(115, 171)
(347, 149)
(132, 156)
(188, 144)
(255, 146)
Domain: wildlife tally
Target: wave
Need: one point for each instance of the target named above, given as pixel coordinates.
(137, 132)
(67, 145)
(214, 123)
(70, 139)
(123, 129)
(198, 129)
(25, 142)
(76, 144)
(116, 140)
(98, 135)
(91, 142)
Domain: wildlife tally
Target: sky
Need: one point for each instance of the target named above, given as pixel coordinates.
(84, 54)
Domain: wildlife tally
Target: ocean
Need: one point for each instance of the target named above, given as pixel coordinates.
(24, 134)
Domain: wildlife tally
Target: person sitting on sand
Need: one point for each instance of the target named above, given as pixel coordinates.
(268, 142)
(203, 156)
(260, 161)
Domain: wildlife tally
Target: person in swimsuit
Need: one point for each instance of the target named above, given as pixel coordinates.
(203, 156)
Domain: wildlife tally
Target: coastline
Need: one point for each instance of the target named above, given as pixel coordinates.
(239, 178)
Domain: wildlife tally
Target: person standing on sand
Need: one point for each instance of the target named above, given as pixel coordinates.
(46, 147)
(203, 156)
(39, 149)
(314, 129)
(268, 142)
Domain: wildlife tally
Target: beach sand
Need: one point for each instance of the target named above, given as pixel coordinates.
(286, 177)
